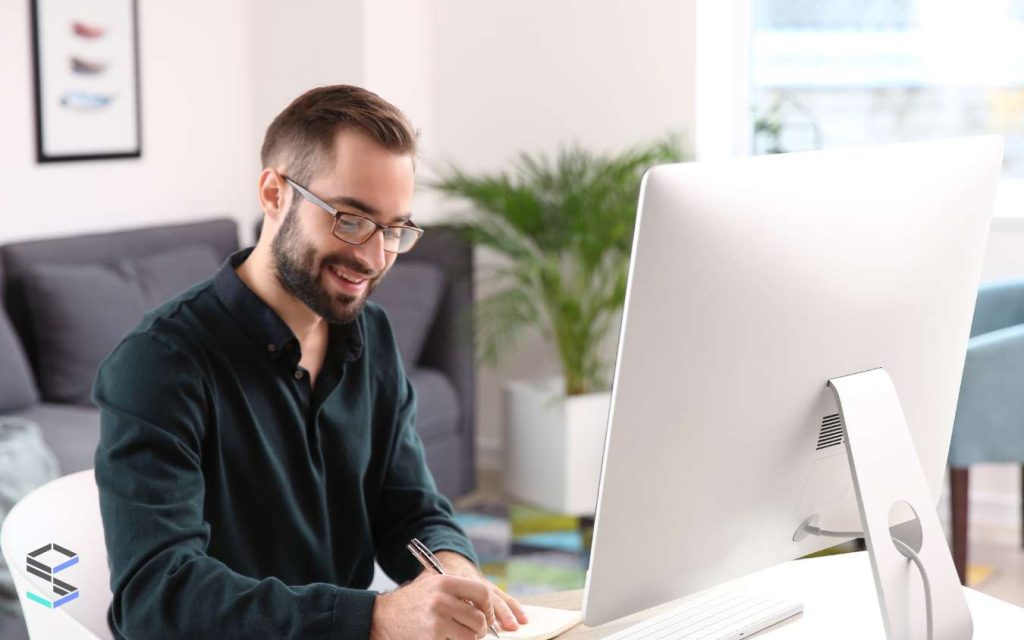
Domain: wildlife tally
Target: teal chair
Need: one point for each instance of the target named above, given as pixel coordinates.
(989, 424)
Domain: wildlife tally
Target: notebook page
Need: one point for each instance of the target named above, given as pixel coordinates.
(544, 623)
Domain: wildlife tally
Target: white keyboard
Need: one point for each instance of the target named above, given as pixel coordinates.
(720, 616)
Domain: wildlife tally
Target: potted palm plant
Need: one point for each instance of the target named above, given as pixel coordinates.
(562, 230)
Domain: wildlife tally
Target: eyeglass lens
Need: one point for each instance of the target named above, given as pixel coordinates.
(357, 230)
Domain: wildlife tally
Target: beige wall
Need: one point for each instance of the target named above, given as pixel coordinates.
(1004, 257)
(533, 75)
(196, 118)
(296, 46)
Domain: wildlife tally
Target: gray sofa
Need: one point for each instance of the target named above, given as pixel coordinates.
(64, 299)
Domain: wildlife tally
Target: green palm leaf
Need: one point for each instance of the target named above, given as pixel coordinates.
(563, 227)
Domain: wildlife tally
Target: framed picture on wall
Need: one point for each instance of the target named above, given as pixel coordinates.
(85, 57)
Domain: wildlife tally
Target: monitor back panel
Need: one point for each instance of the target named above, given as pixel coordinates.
(752, 283)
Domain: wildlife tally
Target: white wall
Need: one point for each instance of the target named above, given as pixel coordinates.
(398, 64)
(1004, 257)
(398, 58)
(383, 45)
(296, 46)
(198, 152)
(533, 75)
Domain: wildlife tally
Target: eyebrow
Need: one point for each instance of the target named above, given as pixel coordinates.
(357, 204)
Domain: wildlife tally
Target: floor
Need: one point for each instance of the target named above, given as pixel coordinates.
(1000, 553)
(995, 555)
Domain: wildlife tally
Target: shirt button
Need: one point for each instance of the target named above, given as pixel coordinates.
(298, 374)
(271, 347)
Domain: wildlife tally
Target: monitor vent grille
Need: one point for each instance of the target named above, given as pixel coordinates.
(831, 434)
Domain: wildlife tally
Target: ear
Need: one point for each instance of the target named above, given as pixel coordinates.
(274, 195)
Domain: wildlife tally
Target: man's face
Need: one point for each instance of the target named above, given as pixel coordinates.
(331, 277)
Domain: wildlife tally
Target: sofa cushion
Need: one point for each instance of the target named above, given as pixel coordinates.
(221, 235)
(17, 389)
(437, 406)
(80, 312)
(411, 293)
(71, 432)
(162, 276)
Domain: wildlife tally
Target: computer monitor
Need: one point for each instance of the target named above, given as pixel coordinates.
(752, 283)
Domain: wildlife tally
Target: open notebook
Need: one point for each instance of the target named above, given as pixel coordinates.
(544, 623)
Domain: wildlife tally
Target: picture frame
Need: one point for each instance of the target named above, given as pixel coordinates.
(85, 59)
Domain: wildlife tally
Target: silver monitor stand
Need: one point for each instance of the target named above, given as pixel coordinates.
(900, 524)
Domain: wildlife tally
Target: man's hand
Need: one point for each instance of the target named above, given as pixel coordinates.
(507, 609)
(433, 606)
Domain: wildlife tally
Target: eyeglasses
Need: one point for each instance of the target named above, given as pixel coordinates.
(355, 228)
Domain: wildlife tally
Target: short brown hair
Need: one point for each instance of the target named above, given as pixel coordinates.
(302, 136)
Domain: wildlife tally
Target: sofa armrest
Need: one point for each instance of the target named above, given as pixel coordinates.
(1000, 305)
(449, 343)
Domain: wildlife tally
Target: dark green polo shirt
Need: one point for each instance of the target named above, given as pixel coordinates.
(239, 501)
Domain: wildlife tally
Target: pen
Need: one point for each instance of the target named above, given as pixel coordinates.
(431, 563)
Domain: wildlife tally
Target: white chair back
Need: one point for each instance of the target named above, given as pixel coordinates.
(65, 512)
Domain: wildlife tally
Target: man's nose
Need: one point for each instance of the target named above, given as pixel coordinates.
(371, 252)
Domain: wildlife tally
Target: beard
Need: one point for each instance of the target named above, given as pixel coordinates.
(298, 272)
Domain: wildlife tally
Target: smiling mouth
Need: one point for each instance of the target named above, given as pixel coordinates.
(349, 282)
(347, 277)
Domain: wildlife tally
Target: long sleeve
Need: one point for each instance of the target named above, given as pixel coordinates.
(410, 504)
(155, 407)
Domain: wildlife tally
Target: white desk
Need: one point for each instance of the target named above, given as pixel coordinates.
(839, 599)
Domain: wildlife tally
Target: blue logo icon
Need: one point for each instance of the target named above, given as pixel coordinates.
(44, 562)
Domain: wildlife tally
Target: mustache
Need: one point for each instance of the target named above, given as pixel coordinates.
(351, 265)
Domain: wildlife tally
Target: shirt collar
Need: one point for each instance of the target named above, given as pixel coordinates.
(262, 323)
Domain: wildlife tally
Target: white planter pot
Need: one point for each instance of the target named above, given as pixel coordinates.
(553, 446)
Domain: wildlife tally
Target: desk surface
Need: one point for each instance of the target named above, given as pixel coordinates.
(839, 599)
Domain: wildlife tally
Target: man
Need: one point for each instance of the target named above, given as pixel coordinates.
(258, 445)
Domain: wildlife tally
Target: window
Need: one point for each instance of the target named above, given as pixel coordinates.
(849, 72)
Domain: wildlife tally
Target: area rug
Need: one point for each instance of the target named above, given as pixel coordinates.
(526, 551)
(979, 574)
